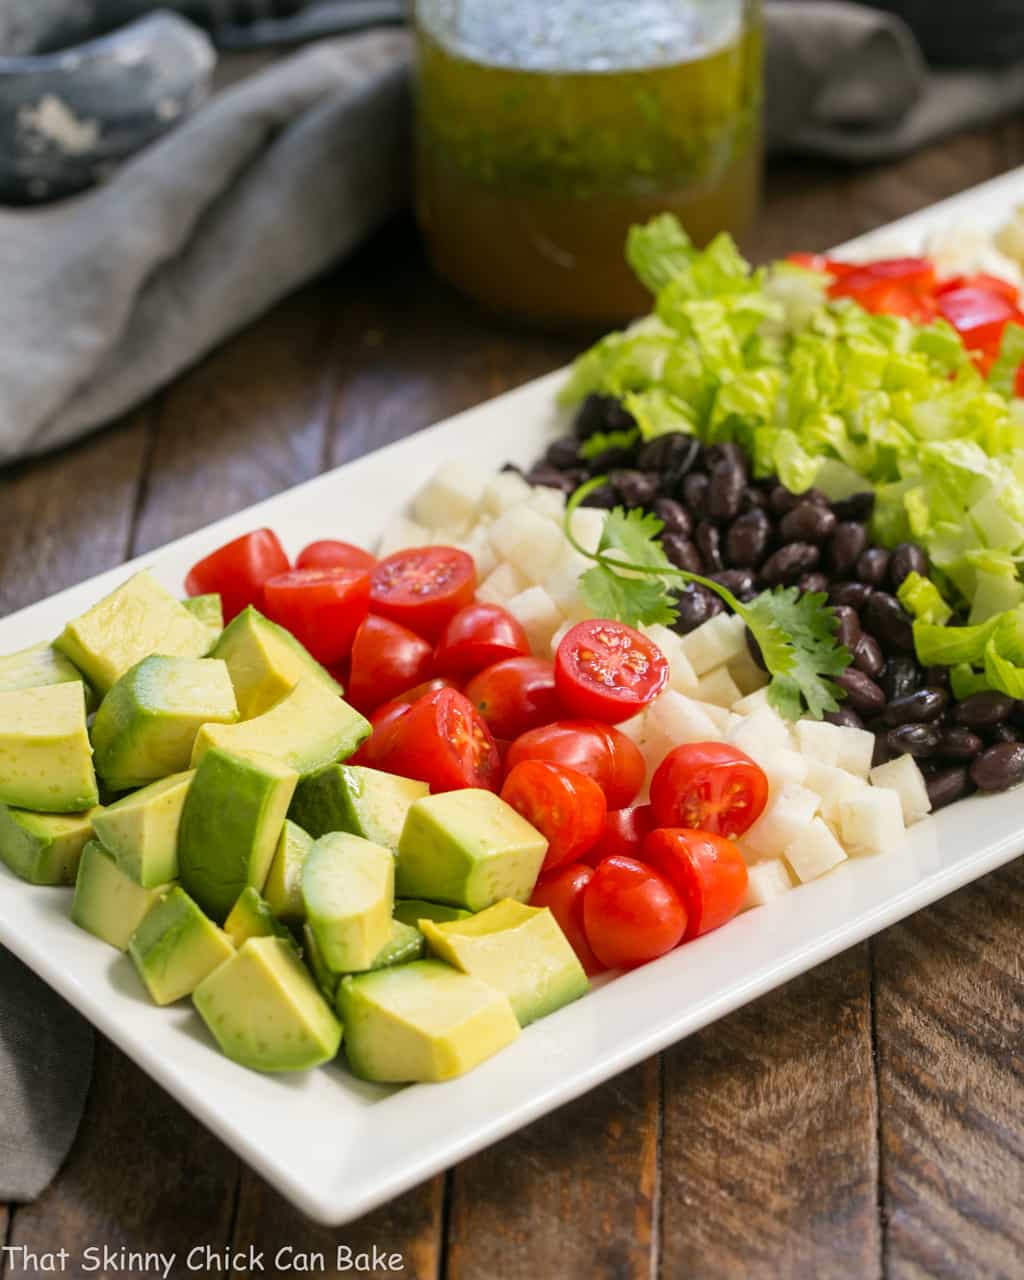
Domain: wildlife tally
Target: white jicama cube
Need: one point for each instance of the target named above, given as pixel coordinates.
(905, 778)
(504, 491)
(721, 717)
(752, 702)
(856, 749)
(562, 583)
(477, 544)
(635, 728)
(559, 635)
(821, 777)
(587, 525)
(783, 767)
(871, 821)
(501, 584)
(681, 719)
(401, 534)
(842, 787)
(538, 616)
(760, 734)
(765, 881)
(549, 503)
(529, 541)
(748, 675)
(818, 740)
(718, 687)
(785, 817)
(715, 642)
(814, 852)
(682, 676)
(451, 498)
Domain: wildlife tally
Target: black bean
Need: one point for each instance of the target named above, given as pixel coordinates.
(872, 566)
(881, 753)
(672, 455)
(754, 649)
(867, 656)
(562, 454)
(551, 479)
(902, 675)
(855, 594)
(789, 562)
(635, 488)
(848, 541)
(696, 604)
(959, 744)
(780, 500)
(914, 739)
(906, 558)
(729, 453)
(946, 786)
(674, 516)
(604, 496)
(889, 623)
(982, 711)
(1004, 733)
(920, 707)
(807, 522)
(739, 581)
(847, 626)
(682, 552)
(937, 676)
(725, 495)
(746, 539)
(709, 543)
(695, 493)
(859, 507)
(593, 415)
(999, 767)
(845, 718)
(866, 698)
(815, 583)
(754, 499)
(611, 460)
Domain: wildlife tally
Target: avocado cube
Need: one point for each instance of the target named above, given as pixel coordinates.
(208, 609)
(516, 949)
(468, 849)
(326, 979)
(421, 1022)
(404, 945)
(176, 946)
(365, 802)
(348, 888)
(266, 662)
(45, 755)
(139, 618)
(413, 910)
(38, 665)
(141, 829)
(283, 890)
(307, 729)
(230, 826)
(265, 1012)
(250, 917)
(147, 724)
(108, 903)
(44, 848)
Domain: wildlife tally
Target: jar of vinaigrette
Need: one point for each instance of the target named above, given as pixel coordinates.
(546, 128)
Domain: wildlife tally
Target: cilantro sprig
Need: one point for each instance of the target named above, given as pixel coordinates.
(629, 581)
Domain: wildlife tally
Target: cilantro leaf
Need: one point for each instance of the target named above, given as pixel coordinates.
(634, 601)
(601, 441)
(796, 633)
(635, 534)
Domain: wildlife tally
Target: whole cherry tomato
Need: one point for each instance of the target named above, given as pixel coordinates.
(238, 570)
(708, 786)
(707, 870)
(373, 751)
(631, 914)
(598, 750)
(607, 671)
(623, 833)
(566, 807)
(322, 608)
(423, 588)
(562, 893)
(387, 659)
(478, 636)
(515, 695)
(443, 741)
(329, 554)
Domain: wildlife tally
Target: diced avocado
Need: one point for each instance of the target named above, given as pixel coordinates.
(307, 729)
(230, 826)
(147, 724)
(139, 618)
(349, 797)
(45, 755)
(469, 849)
(283, 890)
(44, 848)
(405, 944)
(413, 910)
(176, 947)
(208, 610)
(250, 917)
(107, 903)
(266, 662)
(348, 887)
(516, 949)
(265, 1012)
(41, 664)
(326, 979)
(421, 1022)
(141, 829)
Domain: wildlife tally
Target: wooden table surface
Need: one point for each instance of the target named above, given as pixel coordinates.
(866, 1119)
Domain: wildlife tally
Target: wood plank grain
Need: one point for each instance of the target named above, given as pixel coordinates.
(950, 1025)
(573, 1195)
(769, 1164)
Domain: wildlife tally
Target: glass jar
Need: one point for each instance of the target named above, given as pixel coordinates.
(546, 128)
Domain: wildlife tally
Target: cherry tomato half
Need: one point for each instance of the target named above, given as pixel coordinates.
(562, 894)
(566, 807)
(238, 570)
(443, 741)
(979, 316)
(477, 637)
(607, 671)
(631, 914)
(515, 695)
(708, 872)
(623, 834)
(708, 786)
(982, 280)
(598, 750)
(322, 608)
(387, 659)
(329, 554)
(423, 588)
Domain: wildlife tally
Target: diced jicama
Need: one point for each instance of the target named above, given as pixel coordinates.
(718, 687)
(814, 851)
(841, 786)
(871, 821)
(501, 584)
(765, 881)
(748, 675)
(783, 767)
(635, 727)
(452, 497)
(682, 676)
(549, 503)
(715, 642)
(587, 525)
(856, 749)
(562, 583)
(681, 719)
(818, 740)
(477, 544)
(721, 717)
(504, 491)
(760, 734)
(401, 534)
(751, 702)
(787, 815)
(905, 778)
(538, 616)
(529, 541)
(559, 635)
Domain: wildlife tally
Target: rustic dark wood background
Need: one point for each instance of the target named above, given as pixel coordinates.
(867, 1119)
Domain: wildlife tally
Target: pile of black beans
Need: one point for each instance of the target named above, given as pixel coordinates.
(751, 535)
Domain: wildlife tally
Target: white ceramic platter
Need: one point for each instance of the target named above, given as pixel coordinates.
(336, 1147)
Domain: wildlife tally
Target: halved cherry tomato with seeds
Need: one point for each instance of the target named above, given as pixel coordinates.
(565, 806)
(442, 740)
(607, 671)
(562, 894)
(477, 637)
(631, 914)
(387, 659)
(423, 587)
(515, 695)
(330, 554)
(707, 870)
(598, 750)
(238, 570)
(322, 608)
(708, 786)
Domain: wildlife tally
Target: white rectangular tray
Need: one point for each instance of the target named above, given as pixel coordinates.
(336, 1147)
